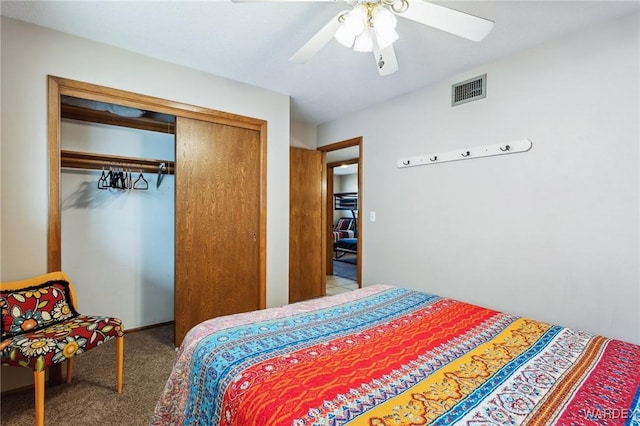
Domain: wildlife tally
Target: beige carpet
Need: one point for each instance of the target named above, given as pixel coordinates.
(91, 398)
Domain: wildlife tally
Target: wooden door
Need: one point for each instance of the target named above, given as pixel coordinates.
(218, 178)
(307, 268)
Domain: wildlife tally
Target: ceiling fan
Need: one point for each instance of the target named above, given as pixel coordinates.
(369, 26)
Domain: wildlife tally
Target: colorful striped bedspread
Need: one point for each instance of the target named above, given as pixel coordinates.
(389, 356)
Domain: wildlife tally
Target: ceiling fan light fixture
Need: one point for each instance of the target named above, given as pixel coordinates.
(344, 36)
(364, 22)
(354, 23)
(356, 19)
(383, 19)
(384, 23)
(364, 41)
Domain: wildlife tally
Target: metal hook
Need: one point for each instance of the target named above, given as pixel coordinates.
(506, 148)
(466, 154)
(435, 158)
(406, 163)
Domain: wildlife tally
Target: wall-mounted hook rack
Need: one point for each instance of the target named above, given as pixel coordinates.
(522, 145)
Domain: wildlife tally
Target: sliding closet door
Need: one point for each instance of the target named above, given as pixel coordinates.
(217, 222)
(306, 218)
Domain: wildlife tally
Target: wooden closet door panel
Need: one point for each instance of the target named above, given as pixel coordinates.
(306, 218)
(217, 222)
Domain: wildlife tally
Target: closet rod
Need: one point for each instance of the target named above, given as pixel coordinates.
(84, 160)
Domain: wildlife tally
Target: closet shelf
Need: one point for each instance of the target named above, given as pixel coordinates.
(143, 123)
(84, 160)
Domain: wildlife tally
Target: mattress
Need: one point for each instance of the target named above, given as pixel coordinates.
(385, 355)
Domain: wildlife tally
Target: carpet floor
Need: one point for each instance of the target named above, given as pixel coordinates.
(91, 398)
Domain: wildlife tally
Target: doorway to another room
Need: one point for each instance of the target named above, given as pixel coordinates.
(344, 230)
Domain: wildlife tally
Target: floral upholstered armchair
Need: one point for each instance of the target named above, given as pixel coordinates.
(41, 327)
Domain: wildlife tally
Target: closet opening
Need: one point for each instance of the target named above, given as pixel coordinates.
(118, 208)
(183, 168)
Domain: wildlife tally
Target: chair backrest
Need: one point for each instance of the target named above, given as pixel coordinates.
(36, 303)
(345, 224)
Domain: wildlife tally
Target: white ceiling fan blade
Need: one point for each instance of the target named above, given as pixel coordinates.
(449, 20)
(386, 61)
(318, 41)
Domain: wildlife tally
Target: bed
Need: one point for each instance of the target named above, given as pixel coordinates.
(385, 355)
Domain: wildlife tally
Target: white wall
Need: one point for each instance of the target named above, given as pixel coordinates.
(119, 244)
(552, 233)
(30, 53)
(349, 183)
(303, 135)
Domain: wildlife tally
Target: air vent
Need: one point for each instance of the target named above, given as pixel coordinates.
(469, 90)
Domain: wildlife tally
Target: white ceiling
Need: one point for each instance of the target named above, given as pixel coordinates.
(252, 42)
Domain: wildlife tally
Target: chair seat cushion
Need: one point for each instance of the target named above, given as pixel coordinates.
(348, 244)
(63, 340)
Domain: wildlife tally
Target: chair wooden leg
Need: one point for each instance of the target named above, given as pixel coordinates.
(69, 369)
(38, 378)
(119, 362)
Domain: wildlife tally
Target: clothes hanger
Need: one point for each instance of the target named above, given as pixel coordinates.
(119, 181)
(114, 176)
(102, 182)
(141, 183)
(126, 180)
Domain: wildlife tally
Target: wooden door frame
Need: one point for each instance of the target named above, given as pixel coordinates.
(327, 233)
(58, 87)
